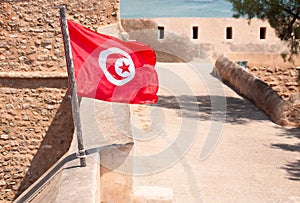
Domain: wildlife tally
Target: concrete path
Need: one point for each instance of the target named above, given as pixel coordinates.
(208, 144)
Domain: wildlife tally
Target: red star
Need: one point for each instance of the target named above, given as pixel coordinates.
(124, 67)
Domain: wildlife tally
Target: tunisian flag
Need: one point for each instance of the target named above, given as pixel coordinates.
(109, 69)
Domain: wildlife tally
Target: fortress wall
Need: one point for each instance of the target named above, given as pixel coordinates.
(173, 48)
(211, 41)
(36, 126)
(212, 30)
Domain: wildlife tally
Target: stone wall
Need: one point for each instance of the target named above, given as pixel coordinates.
(173, 48)
(36, 125)
(211, 41)
(285, 80)
(36, 130)
(30, 31)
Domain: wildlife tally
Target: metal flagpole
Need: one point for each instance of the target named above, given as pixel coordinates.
(74, 99)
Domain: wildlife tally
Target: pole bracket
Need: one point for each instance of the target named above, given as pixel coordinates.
(81, 154)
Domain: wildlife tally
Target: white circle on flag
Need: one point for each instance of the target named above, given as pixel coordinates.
(124, 66)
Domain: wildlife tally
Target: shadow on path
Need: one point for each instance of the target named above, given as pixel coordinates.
(236, 110)
(292, 168)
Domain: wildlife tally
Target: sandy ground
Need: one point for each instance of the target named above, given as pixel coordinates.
(208, 144)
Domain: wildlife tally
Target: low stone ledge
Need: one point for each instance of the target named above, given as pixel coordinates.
(269, 59)
(33, 75)
(257, 91)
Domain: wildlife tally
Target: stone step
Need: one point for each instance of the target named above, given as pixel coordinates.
(152, 194)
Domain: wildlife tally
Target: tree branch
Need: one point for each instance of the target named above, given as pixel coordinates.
(295, 15)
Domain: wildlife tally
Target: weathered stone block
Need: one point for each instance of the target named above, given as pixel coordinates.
(4, 136)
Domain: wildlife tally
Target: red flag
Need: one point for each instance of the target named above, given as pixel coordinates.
(109, 69)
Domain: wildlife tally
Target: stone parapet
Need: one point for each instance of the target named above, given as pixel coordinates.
(258, 92)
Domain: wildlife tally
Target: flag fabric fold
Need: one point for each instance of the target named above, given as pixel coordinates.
(109, 69)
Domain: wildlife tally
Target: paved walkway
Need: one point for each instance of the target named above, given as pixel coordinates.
(208, 144)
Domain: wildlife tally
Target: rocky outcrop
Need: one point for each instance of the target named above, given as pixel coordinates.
(257, 91)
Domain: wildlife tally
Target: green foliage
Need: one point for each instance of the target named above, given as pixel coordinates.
(283, 16)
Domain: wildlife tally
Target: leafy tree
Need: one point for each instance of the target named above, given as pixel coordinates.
(283, 16)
